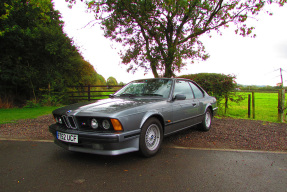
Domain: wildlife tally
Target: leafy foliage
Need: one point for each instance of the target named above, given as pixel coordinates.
(35, 53)
(218, 85)
(158, 35)
(112, 81)
(262, 89)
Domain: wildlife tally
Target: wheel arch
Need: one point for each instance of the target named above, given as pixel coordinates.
(156, 115)
(209, 106)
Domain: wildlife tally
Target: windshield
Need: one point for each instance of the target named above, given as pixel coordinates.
(148, 87)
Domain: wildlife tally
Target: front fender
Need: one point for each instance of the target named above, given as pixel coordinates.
(150, 114)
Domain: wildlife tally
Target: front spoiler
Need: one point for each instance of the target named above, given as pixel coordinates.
(102, 148)
(99, 143)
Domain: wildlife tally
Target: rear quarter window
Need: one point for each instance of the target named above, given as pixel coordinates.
(197, 92)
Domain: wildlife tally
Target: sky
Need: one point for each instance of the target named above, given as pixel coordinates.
(254, 61)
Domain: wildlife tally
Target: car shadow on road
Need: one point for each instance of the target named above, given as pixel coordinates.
(64, 156)
(76, 157)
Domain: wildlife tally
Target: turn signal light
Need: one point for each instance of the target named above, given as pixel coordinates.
(55, 119)
(117, 125)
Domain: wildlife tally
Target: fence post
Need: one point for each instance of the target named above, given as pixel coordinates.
(249, 104)
(253, 105)
(226, 104)
(281, 107)
(284, 107)
(89, 93)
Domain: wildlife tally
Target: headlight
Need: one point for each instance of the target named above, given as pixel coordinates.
(106, 124)
(94, 124)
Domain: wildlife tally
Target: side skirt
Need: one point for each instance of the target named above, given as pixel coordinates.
(200, 117)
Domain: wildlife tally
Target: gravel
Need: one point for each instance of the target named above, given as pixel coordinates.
(34, 129)
(226, 133)
(230, 133)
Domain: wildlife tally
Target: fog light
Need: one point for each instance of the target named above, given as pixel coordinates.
(106, 124)
(94, 124)
(59, 120)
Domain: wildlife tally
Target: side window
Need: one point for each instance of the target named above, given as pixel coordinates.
(182, 87)
(197, 92)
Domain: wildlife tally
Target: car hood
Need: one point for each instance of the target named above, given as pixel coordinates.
(104, 107)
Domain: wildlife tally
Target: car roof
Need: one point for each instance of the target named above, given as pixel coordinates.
(175, 78)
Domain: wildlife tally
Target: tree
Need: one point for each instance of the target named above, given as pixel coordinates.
(159, 35)
(112, 81)
(35, 53)
(100, 80)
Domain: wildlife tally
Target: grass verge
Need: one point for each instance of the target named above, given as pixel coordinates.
(14, 114)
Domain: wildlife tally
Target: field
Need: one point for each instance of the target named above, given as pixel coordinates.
(265, 107)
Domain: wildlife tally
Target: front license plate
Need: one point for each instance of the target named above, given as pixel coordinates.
(67, 137)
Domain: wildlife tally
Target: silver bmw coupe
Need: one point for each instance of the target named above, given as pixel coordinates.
(135, 118)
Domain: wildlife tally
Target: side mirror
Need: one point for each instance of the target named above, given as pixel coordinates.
(111, 95)
(179, 97)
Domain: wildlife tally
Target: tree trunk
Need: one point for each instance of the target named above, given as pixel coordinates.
(153, 68)
(34, 94)
(169, 60)
(168, 72)
(168, 66)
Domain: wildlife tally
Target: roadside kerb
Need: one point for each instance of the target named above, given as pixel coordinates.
(167, 146)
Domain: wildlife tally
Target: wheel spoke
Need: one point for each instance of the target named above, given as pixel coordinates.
(152, 137)
(207, 119)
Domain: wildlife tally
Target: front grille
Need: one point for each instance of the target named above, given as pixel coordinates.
(69, 121)
(72, 122)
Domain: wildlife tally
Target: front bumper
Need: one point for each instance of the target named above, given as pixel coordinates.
(99, 143)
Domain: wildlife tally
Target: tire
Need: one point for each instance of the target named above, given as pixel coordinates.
(206, 123)
(151, 137)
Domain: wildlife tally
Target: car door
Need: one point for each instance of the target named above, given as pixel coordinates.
(199, 97)
(184, 111)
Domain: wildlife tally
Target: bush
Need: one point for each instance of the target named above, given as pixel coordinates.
(32, 104)
(6, 103)
(51, 100)
(218, 85)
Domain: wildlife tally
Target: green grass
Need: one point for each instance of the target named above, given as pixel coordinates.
(265, 107)
(12, 115)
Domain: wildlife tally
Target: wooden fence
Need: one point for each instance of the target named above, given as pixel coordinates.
(91, 92)
(281, 105)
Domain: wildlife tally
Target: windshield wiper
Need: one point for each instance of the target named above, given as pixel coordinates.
(127, 95)
(152, 94)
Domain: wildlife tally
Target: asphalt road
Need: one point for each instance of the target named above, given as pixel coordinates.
(43, 166)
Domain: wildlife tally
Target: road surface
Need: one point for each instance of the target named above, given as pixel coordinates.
(43, 166)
